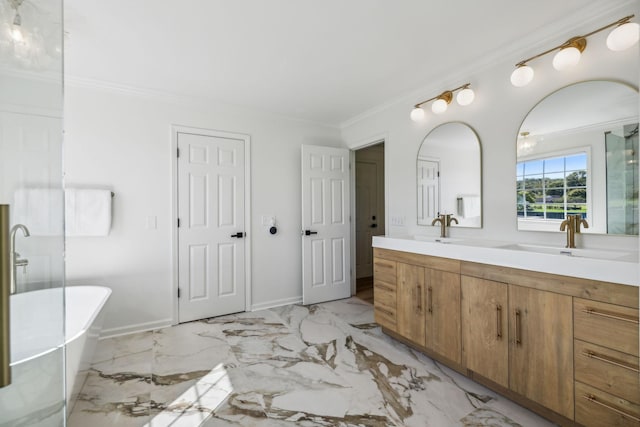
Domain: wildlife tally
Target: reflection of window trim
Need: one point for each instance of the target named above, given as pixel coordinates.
(561, 153)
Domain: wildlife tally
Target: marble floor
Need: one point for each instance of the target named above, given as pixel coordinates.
(319, 365)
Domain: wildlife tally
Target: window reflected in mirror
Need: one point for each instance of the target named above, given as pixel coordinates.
(577, 153)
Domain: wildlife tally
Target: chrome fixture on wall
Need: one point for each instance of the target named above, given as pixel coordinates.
(625, 35)
(442, 101)
(16, 261)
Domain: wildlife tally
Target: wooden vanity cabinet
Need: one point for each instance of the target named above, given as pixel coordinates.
(443, 313)
(385, 293)
(485, 339)
(562, 346)
(607, 380)
(521, 339)
(411, 312)
(541, 348)
(428, 301)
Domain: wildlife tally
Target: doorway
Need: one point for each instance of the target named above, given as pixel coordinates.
(211, 243)
(369, 213)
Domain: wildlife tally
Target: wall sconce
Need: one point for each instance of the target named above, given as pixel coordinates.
(625, 35)
(442, 101)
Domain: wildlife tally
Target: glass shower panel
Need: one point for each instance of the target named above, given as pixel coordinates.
(31, 89)
(622, 180)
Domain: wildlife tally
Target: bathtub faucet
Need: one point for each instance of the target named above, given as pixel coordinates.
(16, 261)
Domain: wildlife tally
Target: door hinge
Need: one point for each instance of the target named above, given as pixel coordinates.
(178, 152)
(438, 174)
(178, 222)
(178, 292)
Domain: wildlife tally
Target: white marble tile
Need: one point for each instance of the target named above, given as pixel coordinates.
(323, 365)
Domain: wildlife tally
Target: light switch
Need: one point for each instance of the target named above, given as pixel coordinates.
(152, 222)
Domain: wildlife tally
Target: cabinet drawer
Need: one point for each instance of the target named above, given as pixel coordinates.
(384, 270)
(608, 325)
(607, 370)
(385, 317)
(384, 295)
(595, 408)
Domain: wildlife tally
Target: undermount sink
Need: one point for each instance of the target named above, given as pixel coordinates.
(437, 239)
(572, 252)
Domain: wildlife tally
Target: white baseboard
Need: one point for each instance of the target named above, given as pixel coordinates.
(150, 326)
(132, 329)
(276, 303)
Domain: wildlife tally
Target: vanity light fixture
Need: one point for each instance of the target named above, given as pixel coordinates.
(625, 35)
(16, 27)
(442, 101)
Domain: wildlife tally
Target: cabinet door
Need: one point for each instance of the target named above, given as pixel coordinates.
(443, 314)
(485, 348)
(541, 350)
(410, 295)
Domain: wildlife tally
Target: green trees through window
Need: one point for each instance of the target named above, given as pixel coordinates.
(553, 187)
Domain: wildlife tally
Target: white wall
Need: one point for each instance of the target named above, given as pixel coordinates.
(496, 115)
(123, 141)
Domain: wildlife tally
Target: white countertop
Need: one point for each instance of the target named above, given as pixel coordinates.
(605, 265)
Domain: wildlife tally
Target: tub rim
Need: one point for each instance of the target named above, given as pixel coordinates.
(107, 293)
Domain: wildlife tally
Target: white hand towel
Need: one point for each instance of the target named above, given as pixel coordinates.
(40, 209)
(87, 212)
(470, 206)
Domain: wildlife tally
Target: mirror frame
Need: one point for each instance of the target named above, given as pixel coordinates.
(540, 101)
(475, 133)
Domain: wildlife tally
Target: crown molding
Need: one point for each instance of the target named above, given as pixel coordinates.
(511, 51)
(179, 100)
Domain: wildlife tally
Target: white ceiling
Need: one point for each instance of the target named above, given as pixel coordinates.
(325, 61)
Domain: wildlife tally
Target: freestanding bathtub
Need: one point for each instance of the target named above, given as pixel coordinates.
(35, 396)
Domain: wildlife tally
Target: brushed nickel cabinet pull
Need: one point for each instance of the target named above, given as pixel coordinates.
(590, 354)
(430, 298)
(611, 316)
(592, 398)
(499, 321)
(518, 330)
(5, 283)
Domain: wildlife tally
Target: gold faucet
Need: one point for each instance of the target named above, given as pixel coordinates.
(445, 221)
(572, 226)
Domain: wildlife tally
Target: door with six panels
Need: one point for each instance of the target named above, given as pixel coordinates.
(211, 231)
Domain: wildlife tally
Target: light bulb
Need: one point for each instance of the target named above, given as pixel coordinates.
(623, 37)
(566, 58)
(16, 34)
(439, 106)
(522, 76)
(417, 114)
(465, 96)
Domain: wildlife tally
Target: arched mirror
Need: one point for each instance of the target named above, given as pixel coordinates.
(577, 153)
(449, 175)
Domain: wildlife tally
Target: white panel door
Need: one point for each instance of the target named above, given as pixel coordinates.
(326, 267)
(428, 191)
(211, 264)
